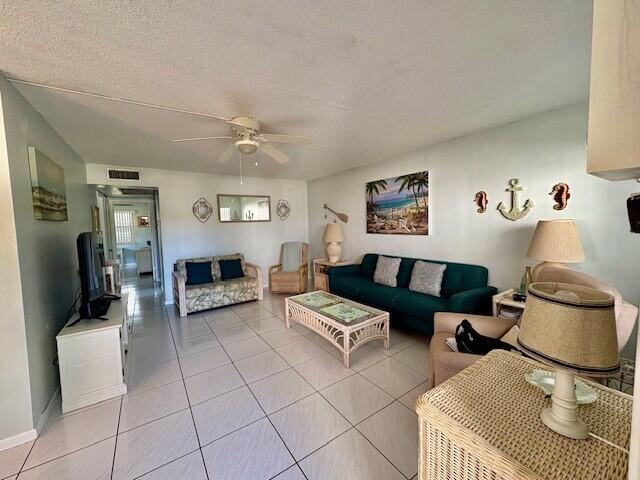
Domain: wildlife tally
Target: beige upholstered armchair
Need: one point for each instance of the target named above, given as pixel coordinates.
(290, 275)
(444, 363)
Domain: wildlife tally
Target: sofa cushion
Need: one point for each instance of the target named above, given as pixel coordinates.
(368, 265)
(420, 305)
(198, 273)
(460, 277)
(230, 269)
(457, 277)
(426, 277)
(387, 271)
(380, 295)
(215, 266)
(349, 286)
(181, 265)
(219, 287)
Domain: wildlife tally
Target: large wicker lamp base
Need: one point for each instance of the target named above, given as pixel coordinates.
(562, 417)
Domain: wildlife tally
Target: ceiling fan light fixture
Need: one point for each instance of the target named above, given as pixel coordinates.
(247, 147)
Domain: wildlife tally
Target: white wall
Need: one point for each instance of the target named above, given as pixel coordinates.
(183, 236)
(15, 394)
(540, 151)
(46, 250)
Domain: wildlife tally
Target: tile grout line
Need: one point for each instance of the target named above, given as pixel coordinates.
(24, 462)
(292, 367)
(267, 416)
(168, 463)
(340, 413)
(193, 420)
(115, 445)
(64, 455)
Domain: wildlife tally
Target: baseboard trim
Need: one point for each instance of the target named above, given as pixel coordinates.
(19, 439)
(94, 397)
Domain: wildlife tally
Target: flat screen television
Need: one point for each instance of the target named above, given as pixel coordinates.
(633, 208)
(90, 262)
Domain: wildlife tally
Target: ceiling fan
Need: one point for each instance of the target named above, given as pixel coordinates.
(247, 136)
(248, 139)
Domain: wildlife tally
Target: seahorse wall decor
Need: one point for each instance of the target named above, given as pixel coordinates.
(561, 195)
(481, 201)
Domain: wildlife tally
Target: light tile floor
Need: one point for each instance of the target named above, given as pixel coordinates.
(232, 394)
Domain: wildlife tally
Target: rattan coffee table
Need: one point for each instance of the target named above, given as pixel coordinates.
(344, 323)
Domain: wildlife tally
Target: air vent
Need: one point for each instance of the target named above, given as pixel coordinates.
(136, 191)
(133, 175)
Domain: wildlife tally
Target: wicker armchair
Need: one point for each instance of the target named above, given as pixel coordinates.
(290, 282)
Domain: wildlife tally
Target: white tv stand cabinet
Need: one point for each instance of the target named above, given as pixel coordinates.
(92, 356)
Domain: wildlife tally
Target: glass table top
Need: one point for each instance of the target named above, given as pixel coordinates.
(334, 307)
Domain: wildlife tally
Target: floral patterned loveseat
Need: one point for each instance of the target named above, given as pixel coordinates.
(194, 298)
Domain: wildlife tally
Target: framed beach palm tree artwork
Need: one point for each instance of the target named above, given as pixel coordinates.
(399, 205)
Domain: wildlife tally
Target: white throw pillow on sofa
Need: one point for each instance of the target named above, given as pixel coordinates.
(426, 277)
(387, 271)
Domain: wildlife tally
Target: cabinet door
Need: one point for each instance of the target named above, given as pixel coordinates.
(321, 282)
(90, 362)
(614, 97)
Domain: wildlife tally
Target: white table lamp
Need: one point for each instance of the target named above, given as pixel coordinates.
(333, 237)
(572, 328)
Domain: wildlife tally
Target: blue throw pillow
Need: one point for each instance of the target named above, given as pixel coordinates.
(198, 273)
(230, 269)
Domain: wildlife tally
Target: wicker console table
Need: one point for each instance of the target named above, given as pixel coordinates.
(484, 424)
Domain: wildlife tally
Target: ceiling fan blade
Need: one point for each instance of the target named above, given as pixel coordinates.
(273, 152)
(226, 155)
(202, 138)
(278, 138)
(117, 99)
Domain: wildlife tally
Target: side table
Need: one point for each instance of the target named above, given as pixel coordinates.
(505, 306)
(484, 423)
(321, 267)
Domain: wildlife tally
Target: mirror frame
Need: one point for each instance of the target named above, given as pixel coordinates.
(268, 197)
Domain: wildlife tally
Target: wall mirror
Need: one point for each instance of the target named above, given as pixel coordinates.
(244, 208)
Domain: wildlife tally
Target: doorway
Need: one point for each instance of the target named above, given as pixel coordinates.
(130, 222)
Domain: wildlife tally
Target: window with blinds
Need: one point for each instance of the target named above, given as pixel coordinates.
(225, 214)
(123, 220)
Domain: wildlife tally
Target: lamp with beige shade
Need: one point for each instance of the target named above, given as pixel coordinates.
(555, 242)
(573, 329)
(333, 237)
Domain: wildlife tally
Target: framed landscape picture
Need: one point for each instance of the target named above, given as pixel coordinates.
(47, 187)
(399, 205)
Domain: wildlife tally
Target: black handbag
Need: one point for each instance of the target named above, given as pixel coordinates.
(470, 341)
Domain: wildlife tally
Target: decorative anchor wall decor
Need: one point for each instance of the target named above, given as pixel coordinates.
(516, 213)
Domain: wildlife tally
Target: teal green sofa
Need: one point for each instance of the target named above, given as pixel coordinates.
(464, 290)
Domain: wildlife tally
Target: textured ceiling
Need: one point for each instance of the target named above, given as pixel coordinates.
(366, 80)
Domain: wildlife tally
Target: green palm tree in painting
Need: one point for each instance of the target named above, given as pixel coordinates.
(421, 182)
(408, 182)
(374, 188)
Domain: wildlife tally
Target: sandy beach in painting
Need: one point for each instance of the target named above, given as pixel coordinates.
(399, 205)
